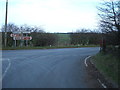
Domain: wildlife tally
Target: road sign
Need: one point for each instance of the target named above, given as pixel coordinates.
(15, 35)
(17, 38)
(27, 38)
(11, 35)
(30, 38)
(16, 32)
(26, 32)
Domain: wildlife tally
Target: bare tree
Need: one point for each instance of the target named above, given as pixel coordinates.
(10, 28)
(38, 29)
(30, 29)
(109, 19)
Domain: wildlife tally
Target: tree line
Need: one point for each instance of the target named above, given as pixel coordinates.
(109, 23)
(42, 38)
(85, 37)
(39, 36)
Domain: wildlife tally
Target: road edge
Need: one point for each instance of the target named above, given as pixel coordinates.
(104, 82)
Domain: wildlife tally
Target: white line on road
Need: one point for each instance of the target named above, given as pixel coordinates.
(101, 83)
(97, 79)
(86, 60)
(6, 68)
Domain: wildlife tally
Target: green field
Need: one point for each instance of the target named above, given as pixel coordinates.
(63, 39)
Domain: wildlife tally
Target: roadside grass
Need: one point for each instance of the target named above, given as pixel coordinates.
(46, 47)
(108, 64)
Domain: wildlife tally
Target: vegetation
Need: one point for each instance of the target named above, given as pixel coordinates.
(63, 39)
(108, 60)
(108, 64)
(109, 12)
(109, 25)
(44, 39)
(83, 37)
(40, 38)
(45, 47)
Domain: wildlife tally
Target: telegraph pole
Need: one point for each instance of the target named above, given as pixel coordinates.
(6, 23)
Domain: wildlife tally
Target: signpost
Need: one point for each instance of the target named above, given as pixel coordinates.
(27, 38)
(21, 36)
(26, 32)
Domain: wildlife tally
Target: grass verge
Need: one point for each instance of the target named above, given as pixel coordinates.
(108, 64)
(46, 47)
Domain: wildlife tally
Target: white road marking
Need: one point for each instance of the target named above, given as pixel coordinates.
(6, 68)
(86, 60)
(97, 79)
(101, 83)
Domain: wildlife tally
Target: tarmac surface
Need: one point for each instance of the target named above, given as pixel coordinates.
(50, 68)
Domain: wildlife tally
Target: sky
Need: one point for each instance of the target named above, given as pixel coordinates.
(52, 15)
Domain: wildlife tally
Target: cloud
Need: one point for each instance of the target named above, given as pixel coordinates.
(59, 14)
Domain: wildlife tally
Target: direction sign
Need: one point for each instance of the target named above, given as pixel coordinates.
(17, 38)
(11, 35)
(27, 38)
(15, 35)
(26, 32)
(16, 32)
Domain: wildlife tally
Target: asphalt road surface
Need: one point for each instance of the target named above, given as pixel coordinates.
(50, 68)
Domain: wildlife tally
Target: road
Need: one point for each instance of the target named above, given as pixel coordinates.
(50, 68)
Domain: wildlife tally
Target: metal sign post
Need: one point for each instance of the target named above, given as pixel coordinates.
(26, 40)
(14, 41)
(20, 36)
(21, 44)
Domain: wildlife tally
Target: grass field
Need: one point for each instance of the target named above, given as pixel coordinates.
(108, 64)
(63, 39)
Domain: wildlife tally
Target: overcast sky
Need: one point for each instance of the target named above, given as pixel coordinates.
(52, 15)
